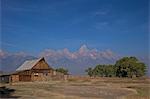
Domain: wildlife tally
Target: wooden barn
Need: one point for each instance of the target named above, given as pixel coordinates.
(32, 70)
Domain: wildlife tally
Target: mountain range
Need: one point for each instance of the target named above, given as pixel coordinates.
(76, 62)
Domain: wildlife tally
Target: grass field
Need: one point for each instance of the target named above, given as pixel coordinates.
(78, 88)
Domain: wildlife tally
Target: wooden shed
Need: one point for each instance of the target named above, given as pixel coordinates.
(32, 70)
(4, 78)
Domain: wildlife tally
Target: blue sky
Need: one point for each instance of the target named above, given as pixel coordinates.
(35, 25)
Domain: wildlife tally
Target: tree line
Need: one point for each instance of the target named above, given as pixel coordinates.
(62, 70)
(124, 67)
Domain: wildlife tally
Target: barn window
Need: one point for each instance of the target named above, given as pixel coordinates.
(36, 74)
(2, 78)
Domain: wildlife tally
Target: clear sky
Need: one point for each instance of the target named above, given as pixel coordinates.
(34, 25)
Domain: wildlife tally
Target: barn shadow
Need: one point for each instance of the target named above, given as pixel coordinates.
(7, 93)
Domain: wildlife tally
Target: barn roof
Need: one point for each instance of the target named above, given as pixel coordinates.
(28, 64)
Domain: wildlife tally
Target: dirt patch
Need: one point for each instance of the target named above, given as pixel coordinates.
(91, 91)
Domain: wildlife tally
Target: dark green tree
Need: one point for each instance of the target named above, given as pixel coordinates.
(125, 67)
(102, 71)
(62, 70)
(109, 71)
(99, 70)
(129, 67)
(89, 71)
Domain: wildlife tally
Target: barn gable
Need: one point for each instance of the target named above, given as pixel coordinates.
(34, 64)
(42, 64)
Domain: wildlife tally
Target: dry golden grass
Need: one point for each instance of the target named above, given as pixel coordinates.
(84, 88)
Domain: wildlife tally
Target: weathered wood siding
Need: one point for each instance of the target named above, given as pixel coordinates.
(38, 77)
(41, 65)
(58, 76)
(41, 75)
(15, 78)
(24, 77)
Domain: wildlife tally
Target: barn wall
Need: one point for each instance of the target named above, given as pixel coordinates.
(14, 78)
(25, 72)
(58, 76)
(40, 76)
(24, 77)
(21, 76)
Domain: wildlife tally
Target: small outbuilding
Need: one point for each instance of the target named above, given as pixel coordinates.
(4, 78)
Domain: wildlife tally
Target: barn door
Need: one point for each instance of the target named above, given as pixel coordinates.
(24, 77)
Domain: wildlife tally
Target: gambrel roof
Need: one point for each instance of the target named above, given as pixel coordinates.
(29, 64)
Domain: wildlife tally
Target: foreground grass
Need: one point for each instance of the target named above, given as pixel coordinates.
(143, 92)
(95, 88)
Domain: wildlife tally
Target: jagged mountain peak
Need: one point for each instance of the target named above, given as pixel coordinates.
(74, 61)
